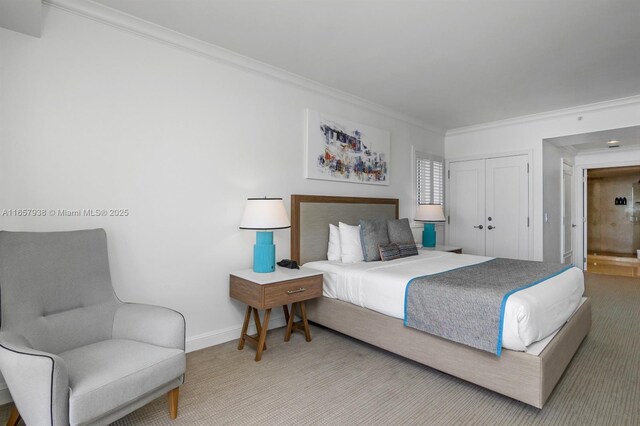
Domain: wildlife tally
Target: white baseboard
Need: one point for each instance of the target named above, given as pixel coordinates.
(216, 337)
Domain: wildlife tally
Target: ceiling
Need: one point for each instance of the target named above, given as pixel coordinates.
(626, 137)
(449, 63)
(23, 16)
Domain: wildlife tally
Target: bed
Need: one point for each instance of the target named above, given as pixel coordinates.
(527, 377)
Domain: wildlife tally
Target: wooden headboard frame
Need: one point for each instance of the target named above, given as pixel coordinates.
(296, 210)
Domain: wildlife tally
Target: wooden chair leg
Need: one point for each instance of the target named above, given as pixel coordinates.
(14, 417)
(173, 396)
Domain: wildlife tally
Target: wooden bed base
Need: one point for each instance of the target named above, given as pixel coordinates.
(527, 378)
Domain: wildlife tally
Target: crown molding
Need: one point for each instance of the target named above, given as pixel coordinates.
(125, 22)
(577, 110)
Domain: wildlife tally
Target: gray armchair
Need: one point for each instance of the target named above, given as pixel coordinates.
(70, 351)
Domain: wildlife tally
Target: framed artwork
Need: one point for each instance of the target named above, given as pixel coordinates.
(341, 150)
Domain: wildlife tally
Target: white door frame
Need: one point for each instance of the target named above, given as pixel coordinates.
(581, 200)
(568, 163)
(529, 154)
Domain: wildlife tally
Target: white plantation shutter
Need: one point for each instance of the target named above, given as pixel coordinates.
(438, 182)
(429, 178)
(423, 180)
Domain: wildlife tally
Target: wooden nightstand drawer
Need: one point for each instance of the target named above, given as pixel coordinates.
(293, 291)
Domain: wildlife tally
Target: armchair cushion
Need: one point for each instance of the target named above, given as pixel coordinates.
(108, 375)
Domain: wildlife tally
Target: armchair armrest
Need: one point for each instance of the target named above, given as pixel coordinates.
(38, 381)
(150, 324)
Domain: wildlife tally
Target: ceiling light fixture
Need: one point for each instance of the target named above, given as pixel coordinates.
(612, 142)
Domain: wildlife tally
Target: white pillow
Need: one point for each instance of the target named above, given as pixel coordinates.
(334, 253)
(350, 245)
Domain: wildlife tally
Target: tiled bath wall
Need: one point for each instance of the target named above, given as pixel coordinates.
(611, 228)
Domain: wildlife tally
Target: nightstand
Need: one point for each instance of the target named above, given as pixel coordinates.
(269, 290)
(451, 249)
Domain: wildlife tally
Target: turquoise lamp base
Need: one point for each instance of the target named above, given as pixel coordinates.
(264, 252)
(429, 235)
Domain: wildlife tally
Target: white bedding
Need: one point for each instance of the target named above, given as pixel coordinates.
(530, 314)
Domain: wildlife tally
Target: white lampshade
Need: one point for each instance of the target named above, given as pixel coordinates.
(264, 214)
(429, 213)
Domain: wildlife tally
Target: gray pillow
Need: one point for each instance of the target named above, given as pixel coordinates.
(400, 231)
(372, 233)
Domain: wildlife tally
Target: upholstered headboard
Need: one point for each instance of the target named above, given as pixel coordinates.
(312, 214)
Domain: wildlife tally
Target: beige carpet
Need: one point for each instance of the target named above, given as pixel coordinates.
(336, 380)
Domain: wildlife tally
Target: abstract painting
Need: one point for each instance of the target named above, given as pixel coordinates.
(341, 150)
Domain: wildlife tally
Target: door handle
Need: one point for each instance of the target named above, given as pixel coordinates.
(573, 225)
(491, 227)
(479, 227)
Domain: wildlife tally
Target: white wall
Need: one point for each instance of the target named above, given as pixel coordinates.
(528, 133)
(92, 116)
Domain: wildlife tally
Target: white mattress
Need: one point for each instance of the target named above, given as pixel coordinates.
(530, 315)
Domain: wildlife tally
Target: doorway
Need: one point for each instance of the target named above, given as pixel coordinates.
(613, 221)
(566, 228)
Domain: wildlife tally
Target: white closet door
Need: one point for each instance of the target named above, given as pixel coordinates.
(507, 207)
(466, 205)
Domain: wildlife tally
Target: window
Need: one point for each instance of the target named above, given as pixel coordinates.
(429, 178)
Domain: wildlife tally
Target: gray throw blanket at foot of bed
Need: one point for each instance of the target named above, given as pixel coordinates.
(466, 305)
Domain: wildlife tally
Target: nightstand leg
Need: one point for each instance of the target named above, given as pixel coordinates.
(303, 312)
(285, 309)
(292, 318)
(256, 317)
(263, 334)
(245, 326)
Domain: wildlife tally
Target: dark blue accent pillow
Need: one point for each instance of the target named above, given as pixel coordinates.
(389, 251)
(408, 250)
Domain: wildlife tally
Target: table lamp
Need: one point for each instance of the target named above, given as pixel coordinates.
(264, 215)
(429, 213)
